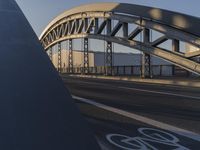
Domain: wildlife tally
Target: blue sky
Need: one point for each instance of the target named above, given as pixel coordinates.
(41, 12)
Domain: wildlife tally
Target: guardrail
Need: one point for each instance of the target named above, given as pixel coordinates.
(157, 70)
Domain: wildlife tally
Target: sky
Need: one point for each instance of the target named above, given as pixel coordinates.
(41, 12)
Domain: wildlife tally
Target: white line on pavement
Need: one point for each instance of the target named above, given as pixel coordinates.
(161, 125)
(143, 90)
(157, 92)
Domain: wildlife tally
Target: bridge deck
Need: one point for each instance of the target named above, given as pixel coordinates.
(177, 81)
(124, 108)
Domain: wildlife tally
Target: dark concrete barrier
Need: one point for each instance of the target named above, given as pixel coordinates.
(36, 111)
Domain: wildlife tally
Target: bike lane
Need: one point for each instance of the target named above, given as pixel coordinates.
(117, 132)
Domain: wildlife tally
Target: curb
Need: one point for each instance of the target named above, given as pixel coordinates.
(194, 83)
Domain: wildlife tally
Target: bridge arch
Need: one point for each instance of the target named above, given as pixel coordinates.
(89, 21)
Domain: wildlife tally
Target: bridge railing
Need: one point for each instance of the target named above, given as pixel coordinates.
(156, 70)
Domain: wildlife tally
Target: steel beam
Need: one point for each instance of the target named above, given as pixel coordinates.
(86, 56)
(135, 33)
(146, 58)
(51, 53)
(159, 41)
(109, 51)
(175, 48)
(101, 28)
(96, 25)
(86, 24)
(70, 57)
(175, 45)
(59, 58)
(116, 29)
(81, 25)
(109, 59)
(125, 30)
(192, 54)
(146, 66)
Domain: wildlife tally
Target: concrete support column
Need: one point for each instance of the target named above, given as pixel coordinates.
(109, 51)
(70, 59)
(146, 58)
(59, 58)
(86, 56)
(175, 48)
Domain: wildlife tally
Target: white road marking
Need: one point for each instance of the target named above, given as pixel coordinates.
(158, 92)
(143, 90)
(158, 124)
(147, 139)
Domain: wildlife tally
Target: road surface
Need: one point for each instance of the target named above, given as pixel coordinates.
(127, 115)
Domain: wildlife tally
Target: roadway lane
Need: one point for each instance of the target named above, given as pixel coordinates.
(171, 105)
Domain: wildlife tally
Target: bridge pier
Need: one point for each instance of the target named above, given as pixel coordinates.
(70, 57)
(146, 58)
(86, 56)
(59, 58)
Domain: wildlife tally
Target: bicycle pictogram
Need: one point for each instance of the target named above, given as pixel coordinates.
(148, 140)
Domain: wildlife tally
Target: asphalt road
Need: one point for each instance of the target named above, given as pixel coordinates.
(127, 115)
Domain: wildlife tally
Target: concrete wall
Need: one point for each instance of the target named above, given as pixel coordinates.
(97, 59)
(78, 58)
(124, 59)
(120, 59)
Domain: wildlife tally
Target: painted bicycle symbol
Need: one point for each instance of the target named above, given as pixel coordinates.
(147, 141)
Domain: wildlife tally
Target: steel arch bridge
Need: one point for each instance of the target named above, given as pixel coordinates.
(95, 21)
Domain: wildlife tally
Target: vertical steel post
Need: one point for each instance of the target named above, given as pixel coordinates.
(59, 58)
(70, 60)
(175, 45)
(96, 25)
(109, 57)
(146, 58)
(86, 56)
(77, 25)
(51, 53)
(125, 30)
(175, 48)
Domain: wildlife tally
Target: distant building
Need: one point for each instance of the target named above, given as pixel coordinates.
(96, 59)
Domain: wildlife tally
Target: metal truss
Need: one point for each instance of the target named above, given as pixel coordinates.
(50, 53)
(146, 66)
(109, 59)
(90, 25)
(175, 48)
(59, 58)
(109, 51)
(86, 56)
(146, 58)
(70, 57)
